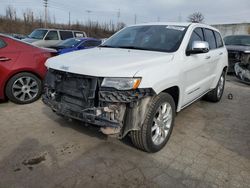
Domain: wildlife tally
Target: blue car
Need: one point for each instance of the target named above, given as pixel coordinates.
(74, 44)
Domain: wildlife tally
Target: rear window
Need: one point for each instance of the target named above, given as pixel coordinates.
(218, 39)
(2, 44)
(209, 37)
(66, 34)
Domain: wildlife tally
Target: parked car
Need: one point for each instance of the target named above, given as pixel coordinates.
(138, 79)
(51, 37)
(74, 44)
(238, 47)
(21, 70)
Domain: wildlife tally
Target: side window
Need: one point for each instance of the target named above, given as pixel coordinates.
(78, 34)
(209, 37)
(218, 39)
(66, 34)
(2, 44)
(52, 35)
(97, 43)
(197, 35)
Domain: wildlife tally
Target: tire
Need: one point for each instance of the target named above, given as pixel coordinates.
(216, 94)
(146, 138)
(23, 88)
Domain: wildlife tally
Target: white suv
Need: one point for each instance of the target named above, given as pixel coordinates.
(138, 79)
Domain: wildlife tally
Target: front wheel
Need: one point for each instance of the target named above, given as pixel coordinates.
(157, 126)
(216, 94)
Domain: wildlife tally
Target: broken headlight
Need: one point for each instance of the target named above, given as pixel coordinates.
(121, 83)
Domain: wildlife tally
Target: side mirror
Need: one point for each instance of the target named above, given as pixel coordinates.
(198, 47)
(80, 47)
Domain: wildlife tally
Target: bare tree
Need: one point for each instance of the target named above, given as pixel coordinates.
(10, 13)
(196, 17)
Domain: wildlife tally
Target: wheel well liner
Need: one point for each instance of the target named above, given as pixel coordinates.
(174, 92)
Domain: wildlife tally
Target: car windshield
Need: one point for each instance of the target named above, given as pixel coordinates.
(163, 38)
(38, 34)
(70, 43)
(237, 40)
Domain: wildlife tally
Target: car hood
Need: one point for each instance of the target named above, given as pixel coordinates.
(29, 40)
(238, 48)
(65, 50)
(107, 62)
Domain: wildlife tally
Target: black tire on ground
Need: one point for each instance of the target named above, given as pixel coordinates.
(216, 94)
(143, 139)
(20, 82)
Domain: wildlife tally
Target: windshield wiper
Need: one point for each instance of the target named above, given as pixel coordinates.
(106, 46)
(132, 47)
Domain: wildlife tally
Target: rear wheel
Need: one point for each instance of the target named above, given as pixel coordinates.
(24, 88)
(157, 126)
(216, 94)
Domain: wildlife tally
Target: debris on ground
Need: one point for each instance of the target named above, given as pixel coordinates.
(230, 96)
(34, 161)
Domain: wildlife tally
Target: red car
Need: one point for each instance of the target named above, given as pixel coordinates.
(21, 70)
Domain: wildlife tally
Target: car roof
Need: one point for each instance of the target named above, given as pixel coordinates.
(166, 23)
(183, 24)
(238, 35)
(59, 29)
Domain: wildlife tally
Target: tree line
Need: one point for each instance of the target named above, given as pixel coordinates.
(10, 23)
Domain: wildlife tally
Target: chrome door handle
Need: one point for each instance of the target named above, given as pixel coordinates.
(221, 53)
(4, 59)
(208, 57)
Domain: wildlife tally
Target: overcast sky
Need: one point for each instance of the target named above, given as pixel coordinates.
(215, 11)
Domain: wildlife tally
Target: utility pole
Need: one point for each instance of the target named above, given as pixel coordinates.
(45, 3)
(135, 18)
(69, 20)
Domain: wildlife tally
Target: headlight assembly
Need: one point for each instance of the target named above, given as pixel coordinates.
(122, 83)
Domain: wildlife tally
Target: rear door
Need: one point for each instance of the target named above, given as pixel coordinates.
(214, 54)
(8, 52)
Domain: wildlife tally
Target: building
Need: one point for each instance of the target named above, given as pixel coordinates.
(233, 29)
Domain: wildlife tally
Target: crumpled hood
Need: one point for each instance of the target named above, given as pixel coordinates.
(29, 40)
(238, 48)
(108, 62)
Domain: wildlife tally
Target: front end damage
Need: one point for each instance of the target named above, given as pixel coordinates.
(242, 68)
(82, 97)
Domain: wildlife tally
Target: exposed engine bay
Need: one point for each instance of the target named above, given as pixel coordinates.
(242, 67)
(82, 97)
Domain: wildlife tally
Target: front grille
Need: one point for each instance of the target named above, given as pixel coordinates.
(234, 56)
(78, 90)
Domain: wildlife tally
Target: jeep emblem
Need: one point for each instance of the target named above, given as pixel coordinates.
(64, 67)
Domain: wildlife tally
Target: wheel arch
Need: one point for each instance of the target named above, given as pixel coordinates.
(174, 91)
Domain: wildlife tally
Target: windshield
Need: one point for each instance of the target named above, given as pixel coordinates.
(70, 43)
(237, 40)
(38, 34)
(163, 38)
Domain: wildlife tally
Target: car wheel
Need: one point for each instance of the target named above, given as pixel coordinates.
(216, 94)
(157, 126)
(24, 88)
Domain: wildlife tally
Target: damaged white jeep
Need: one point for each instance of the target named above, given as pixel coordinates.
(138, 79)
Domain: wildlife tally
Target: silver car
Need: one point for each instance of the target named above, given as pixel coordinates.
(51, 37)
